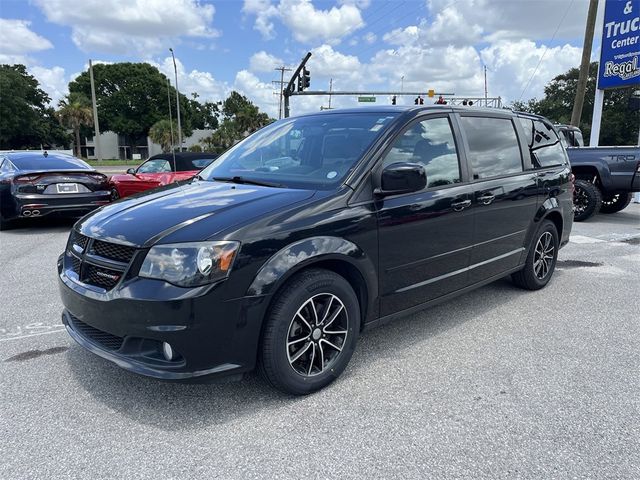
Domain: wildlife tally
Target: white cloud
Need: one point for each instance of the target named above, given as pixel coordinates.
(118, 26)
(512, 64)
(17, 40)
(264, 62)
(258, 92)
(53, 81)
(195, 81)
(264, 12)
(370, 37)
(306, 22)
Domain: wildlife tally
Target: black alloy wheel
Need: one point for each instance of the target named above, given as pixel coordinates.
(114, 194)
(615, 202)
(310, 332)
(541, 259)
(587, 200)
(317, 334)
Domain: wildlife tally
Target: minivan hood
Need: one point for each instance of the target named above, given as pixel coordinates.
(185, 212)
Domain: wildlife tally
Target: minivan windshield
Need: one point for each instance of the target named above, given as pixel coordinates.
(312, 152)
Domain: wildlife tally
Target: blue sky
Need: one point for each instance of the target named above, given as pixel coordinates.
(360, 44)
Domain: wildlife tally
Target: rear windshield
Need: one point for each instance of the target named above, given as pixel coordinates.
(50, 162)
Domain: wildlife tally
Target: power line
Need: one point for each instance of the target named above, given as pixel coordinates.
(545, 50)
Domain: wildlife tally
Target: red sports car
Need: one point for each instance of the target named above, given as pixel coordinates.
(159, 170)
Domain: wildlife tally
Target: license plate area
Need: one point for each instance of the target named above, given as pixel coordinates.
(67, 187)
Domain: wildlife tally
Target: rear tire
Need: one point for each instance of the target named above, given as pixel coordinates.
(301, 349)
(587, 200)
(541, 260)
(615, 202)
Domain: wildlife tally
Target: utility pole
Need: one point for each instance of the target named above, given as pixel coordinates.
(322, 107)
(175, 70)
(584, 64)
(173, 149)
(485, 86)
(281, 69)
(96, 125)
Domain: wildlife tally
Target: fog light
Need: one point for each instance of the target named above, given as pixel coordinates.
(167, 351)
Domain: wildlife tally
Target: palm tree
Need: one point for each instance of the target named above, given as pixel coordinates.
(162, 134)
(74, 112)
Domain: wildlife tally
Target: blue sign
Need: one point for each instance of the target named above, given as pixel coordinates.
(620, 51)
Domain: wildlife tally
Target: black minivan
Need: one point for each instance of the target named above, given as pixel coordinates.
(281, 252)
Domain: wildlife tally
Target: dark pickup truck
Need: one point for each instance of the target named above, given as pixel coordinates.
(606, 177)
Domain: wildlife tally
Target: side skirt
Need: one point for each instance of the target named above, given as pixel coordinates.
(389, 318)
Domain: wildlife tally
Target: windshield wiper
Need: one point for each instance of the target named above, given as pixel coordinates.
(247, 181)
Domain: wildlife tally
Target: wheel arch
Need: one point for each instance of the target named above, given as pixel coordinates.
(330, 253)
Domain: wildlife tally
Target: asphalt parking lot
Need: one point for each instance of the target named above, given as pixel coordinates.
(499, 383)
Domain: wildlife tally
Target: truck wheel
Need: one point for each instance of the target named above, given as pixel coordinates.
(615, 202)
(587, 200)
(310, 332)
(541, 259)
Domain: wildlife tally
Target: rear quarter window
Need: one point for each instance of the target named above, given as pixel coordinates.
(493, 146)
(545, 147)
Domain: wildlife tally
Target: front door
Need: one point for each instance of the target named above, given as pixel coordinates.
(425, 237)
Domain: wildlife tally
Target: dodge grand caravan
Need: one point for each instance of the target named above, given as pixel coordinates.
(280, 253)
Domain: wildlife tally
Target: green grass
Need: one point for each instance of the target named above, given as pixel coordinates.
(114, 163)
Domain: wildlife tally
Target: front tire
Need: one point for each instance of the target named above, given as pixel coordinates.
(541, 260)
(310, 333)
(587, 200)
(615, 202)
(114, 194)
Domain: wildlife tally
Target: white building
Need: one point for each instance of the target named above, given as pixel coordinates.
(114, 146)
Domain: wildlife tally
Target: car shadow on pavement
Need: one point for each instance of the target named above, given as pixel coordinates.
(184, 406)
(36, 226)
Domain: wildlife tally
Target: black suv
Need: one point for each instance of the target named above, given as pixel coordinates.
(308, 231)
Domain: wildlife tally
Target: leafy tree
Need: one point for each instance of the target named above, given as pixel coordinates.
(131, 97)
(619, 125)
(26, 120)
(75, 112)
(163, 132)
(240, 118)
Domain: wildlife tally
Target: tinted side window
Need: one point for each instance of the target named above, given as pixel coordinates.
(493, 146)
(432, 144)
(546, 148)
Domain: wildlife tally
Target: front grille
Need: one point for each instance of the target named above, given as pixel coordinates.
(76, 264)
(114, 251)
(103, 277)
(96, 262)
(104, 339)
(79, 239)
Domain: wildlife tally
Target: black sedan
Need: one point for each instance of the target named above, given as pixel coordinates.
(35, 183)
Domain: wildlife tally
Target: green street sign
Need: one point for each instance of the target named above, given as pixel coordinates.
(367, 99)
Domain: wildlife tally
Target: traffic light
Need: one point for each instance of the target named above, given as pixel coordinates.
(421, 100)
(393, 100)
(417, 101)
(304, 79)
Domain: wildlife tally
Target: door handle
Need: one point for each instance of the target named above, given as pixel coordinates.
(486, 199)
(459, 206)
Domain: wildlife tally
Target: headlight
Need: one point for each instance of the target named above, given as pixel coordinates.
(190, 264)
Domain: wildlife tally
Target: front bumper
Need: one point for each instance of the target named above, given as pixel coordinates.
(77, 204)
(212, 334)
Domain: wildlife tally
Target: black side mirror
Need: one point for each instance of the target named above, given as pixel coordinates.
(402, 177)
(131, 171)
